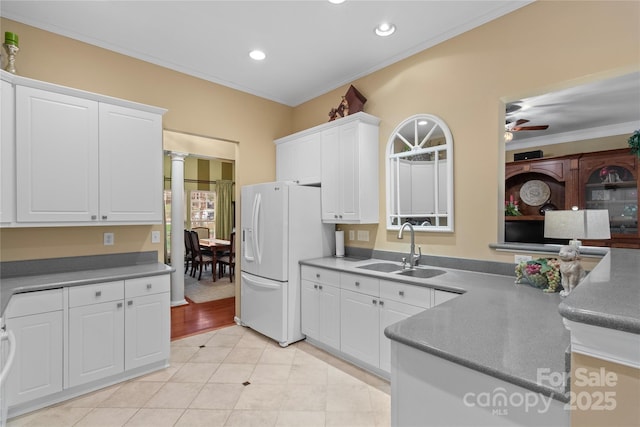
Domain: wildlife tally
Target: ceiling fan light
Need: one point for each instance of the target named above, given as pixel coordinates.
(508, 136)
(336, 1)
(385, 29)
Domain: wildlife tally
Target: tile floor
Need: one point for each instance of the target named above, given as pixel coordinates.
(294, 386)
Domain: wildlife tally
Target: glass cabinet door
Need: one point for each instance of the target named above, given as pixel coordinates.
(614, 188)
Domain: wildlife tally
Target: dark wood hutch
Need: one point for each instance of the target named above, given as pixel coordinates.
(599, 180)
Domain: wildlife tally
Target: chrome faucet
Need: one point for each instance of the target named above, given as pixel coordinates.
(413, 257)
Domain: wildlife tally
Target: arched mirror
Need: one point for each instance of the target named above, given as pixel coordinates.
(420, 175)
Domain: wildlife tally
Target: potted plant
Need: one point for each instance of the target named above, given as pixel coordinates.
(634, 143)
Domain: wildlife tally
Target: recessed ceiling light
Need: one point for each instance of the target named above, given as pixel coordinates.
(336, 1)
(258, 55)
(385, 29)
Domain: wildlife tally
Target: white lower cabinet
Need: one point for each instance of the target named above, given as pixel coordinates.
(117, 326)
(392, 312)
(36, 319)
(360, 334)
(106, 332)
(320, 305)
(352, 318)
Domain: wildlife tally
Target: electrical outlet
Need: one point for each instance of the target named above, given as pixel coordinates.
(155, 237)
(352, 235)
(108, 239)
(363, 235)
(520, 258)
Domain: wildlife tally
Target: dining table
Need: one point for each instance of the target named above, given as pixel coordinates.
(215, 245)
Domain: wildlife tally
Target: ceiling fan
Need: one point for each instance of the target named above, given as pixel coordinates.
(517, 126)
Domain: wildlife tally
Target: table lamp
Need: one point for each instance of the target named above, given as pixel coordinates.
(577, 224)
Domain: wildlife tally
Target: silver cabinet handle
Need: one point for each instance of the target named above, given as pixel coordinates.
(374, 302)
(104, 217)
(94, 216)
(129, 302)
(119, 305)
(320, 286)
(381, 302)
(149, 285)
(317, 275)
(315, 286)
(357, 284)
(401, 293)
(98, 293)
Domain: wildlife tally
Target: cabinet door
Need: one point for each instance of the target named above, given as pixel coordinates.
(330, 175)
(7, 155)
(349, 174)
(299, 160)
(57, 157)
(360, 330)
(130, 165)
(37, 367)
(310, 309)
(96, 342)
(329, 316)
(147, 330)
(392, 312)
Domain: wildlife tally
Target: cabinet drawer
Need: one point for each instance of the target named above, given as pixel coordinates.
(146, 286)
(320, 275)
(94, 294)
(404, 292)
(34, 302)
(362, 284)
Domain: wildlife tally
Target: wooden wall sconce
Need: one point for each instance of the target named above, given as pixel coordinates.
(352, 102)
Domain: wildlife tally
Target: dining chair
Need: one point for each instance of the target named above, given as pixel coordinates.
(203, 232)
(228, 260)
(199, 259)
(188, 253)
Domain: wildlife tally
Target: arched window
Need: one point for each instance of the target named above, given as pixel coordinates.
(420, 175)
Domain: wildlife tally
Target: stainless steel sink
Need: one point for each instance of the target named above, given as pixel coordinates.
(423, 273)
(385, 267)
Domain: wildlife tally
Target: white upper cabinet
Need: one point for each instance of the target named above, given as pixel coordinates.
(130, 165)
(298, 159)
(81, 158)
(7, 154)
(350, 171)
(57, 156)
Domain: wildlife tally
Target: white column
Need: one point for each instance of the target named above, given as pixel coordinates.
(177, 228)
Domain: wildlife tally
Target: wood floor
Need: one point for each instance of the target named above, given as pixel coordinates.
(196, 318)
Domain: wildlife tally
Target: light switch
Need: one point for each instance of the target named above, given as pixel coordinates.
(155, 237)
(363, 235)
(352, 235)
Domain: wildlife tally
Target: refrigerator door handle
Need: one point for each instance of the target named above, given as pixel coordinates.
(8, 335)
(256, 232)
(257, 283)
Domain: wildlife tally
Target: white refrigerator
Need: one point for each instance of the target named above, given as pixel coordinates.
(281, 225)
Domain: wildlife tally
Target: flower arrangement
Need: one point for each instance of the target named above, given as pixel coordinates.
(634, 142)
(511, 207)
(543, 273)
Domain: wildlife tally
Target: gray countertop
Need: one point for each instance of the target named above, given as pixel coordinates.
(16, 285)
(610, 294)
(495, 327)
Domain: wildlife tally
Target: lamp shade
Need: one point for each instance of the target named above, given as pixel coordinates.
(578, 224)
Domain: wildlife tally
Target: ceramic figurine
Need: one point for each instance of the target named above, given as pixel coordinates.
(570, 268)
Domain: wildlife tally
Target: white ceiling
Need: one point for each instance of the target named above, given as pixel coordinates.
(312, 46)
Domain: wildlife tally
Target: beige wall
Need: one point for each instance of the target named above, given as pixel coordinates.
(194, 106)
(622, 393)
(543, 46)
